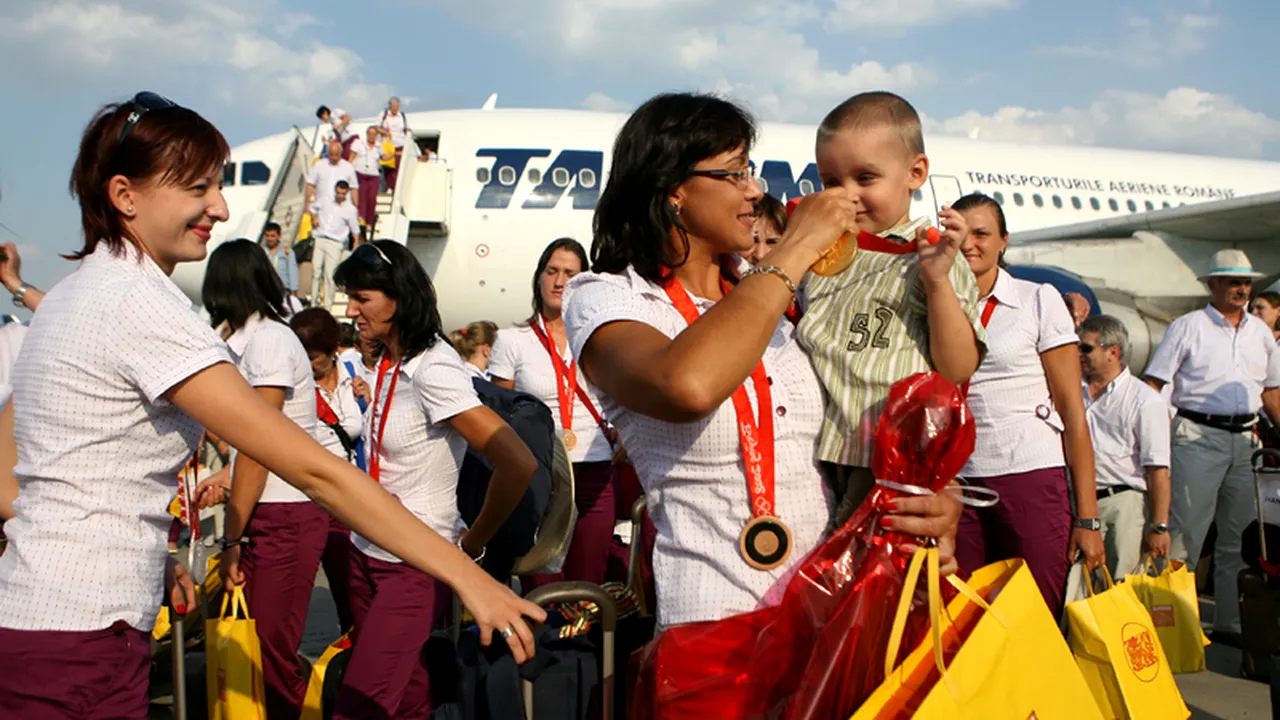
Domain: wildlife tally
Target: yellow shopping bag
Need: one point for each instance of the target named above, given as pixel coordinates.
(1007, 656)
(321, 685)
(1119, 653)
(234, 663)
(388, 154)
(1170, 598)
(304, 228)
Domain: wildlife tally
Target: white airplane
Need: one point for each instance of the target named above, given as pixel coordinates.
(1129, 230)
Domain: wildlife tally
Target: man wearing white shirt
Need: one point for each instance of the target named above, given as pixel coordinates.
(331, 224)
(325, 174)
(366, 156)
(1129, 426)
(1224, 367)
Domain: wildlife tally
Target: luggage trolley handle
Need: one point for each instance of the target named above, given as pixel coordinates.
(1259, 469)
(568, 592)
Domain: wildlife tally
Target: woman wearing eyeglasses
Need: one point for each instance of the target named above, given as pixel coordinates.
(113, 385)
(1029, 411)
(423, 415)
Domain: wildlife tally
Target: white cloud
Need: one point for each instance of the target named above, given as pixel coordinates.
(600, 102)
(227, 49)
(1148, 43)
(1183, 119)
(898, 15)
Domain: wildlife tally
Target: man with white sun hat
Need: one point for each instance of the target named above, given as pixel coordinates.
(1225, 367)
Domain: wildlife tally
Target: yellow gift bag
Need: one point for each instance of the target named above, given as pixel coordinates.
(1170, 598)
(1119, 653)
(313, 704)
(388, 155)
(234, 663)
(1007, 656)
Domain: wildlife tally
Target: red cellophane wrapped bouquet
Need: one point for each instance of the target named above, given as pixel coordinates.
(820, 653)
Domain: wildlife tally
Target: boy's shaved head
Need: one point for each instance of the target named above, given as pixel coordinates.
(872, 110)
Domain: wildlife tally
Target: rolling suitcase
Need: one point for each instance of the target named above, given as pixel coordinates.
(1259, 584)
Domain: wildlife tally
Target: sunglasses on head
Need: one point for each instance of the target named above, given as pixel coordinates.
(370, 255)
(141, 104)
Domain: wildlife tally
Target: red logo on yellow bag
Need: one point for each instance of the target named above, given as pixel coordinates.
(1162, 615)
(222, 685)
(1140, 651)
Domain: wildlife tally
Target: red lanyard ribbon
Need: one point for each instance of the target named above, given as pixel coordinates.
(754, 433)
(987, 310)
(566, 375)
(324, 412)
(375, 439)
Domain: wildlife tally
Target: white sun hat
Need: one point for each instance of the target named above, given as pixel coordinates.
(1231, 263)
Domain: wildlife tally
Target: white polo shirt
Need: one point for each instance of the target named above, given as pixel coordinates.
(353, 356)
(324, 176)
(1129, 425)
(1018, 428)
(100, 448)
(11, 337)
(269, 354)
(518, 355)
(397, 125)
(421, 451)
(336, 220)
(366, 156)
(345, 406)
(1219, 369)
(692, 473)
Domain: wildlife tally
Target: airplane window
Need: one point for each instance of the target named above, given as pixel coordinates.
(1133, 206)
(482, 175)
(1166, 204)
(764, 184)
(1113, 204)
(1151, 205)
(1039, 201)
(1093, 203)
(507, 175)
(560, 176)
(1017, 199)
(535, 175)
(917, 195)
(999, 197)
(1075, 202)
(228, 174)
(255, 172)
(587, 178)
(1057, 202)
(805, 186)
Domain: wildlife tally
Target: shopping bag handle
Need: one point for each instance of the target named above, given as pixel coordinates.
(1106, 575)
(239, 606)
(1152, 569)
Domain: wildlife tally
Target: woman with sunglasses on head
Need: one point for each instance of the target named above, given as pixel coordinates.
(687, 361)
(424, 413)
(285, 532)
(534, 358)
(114, 383)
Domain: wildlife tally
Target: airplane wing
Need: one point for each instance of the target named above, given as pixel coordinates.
(1239, 220)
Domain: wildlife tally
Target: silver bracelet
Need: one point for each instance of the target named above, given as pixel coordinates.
(764, 269)
(476, 559)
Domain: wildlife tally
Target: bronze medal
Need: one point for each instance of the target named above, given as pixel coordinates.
(765, 542)
(570, 439)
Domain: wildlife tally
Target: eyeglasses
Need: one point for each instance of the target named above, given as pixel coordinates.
(1086, 348)
(143, 103)
(741, 178)
(370, 254)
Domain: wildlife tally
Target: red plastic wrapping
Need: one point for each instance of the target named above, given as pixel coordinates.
(820, 652)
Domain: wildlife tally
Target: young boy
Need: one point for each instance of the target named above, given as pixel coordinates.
(903, 306)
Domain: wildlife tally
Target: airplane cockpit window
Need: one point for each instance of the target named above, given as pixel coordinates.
(1039, 201)
(1075, 202)
(1057, 202)
(535, 175)
(1115, 206)
(1093, 203)
(1017, 199)
(587, 178)
(999, 197)
(482, 175)
(255, 172)
(228, 175)
(507, 175)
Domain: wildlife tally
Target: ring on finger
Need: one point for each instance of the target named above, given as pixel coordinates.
(507, 632)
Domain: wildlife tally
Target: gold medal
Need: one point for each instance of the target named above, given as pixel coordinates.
(765, 542)
(570, 439)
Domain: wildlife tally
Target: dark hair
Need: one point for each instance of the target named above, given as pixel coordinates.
(238, 282)
(349, 336)
(655, 151)
(173, 144)
(417, 318)
(771, 208)
(875, 109)
(564, 243)
(977, 200)
(317, 329)
(322, 111)
(272, 226)
(342, 185)
(466, 340)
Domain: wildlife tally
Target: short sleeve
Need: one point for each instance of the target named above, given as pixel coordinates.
(505, 356)
(1057, 328)
(313, 175)
(593, 300)
(444, 386)
(1168, 357)
(1273, 365)
(1154, 444)
(265, 362)
(966, 288)
(161, 341)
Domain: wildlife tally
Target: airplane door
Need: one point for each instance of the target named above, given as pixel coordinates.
(922, 204)
(946, 190)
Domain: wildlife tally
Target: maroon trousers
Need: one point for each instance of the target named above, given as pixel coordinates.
(595, 487)
(394, 607)
(55, 675)
(280, 564)
(368, 198)
(1032, 521)
(336, 561)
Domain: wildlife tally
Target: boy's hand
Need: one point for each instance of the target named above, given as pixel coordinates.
(936, 260)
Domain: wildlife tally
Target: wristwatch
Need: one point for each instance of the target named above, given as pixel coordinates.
(1159, 528)
(20, 293)
(1088, 523)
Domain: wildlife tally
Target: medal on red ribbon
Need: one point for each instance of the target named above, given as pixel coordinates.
(375, 438)
(566, 383)
(765, 541)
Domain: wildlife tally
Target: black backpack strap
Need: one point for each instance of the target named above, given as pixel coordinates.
(347, 443)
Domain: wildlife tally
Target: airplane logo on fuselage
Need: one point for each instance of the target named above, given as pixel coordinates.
(579, 174)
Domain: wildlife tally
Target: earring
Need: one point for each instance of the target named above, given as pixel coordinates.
(676, 207)
(129, 211)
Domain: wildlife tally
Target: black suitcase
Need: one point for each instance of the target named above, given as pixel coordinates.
(1259, 590)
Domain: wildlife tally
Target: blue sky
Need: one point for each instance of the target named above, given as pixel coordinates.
(1186, 75)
